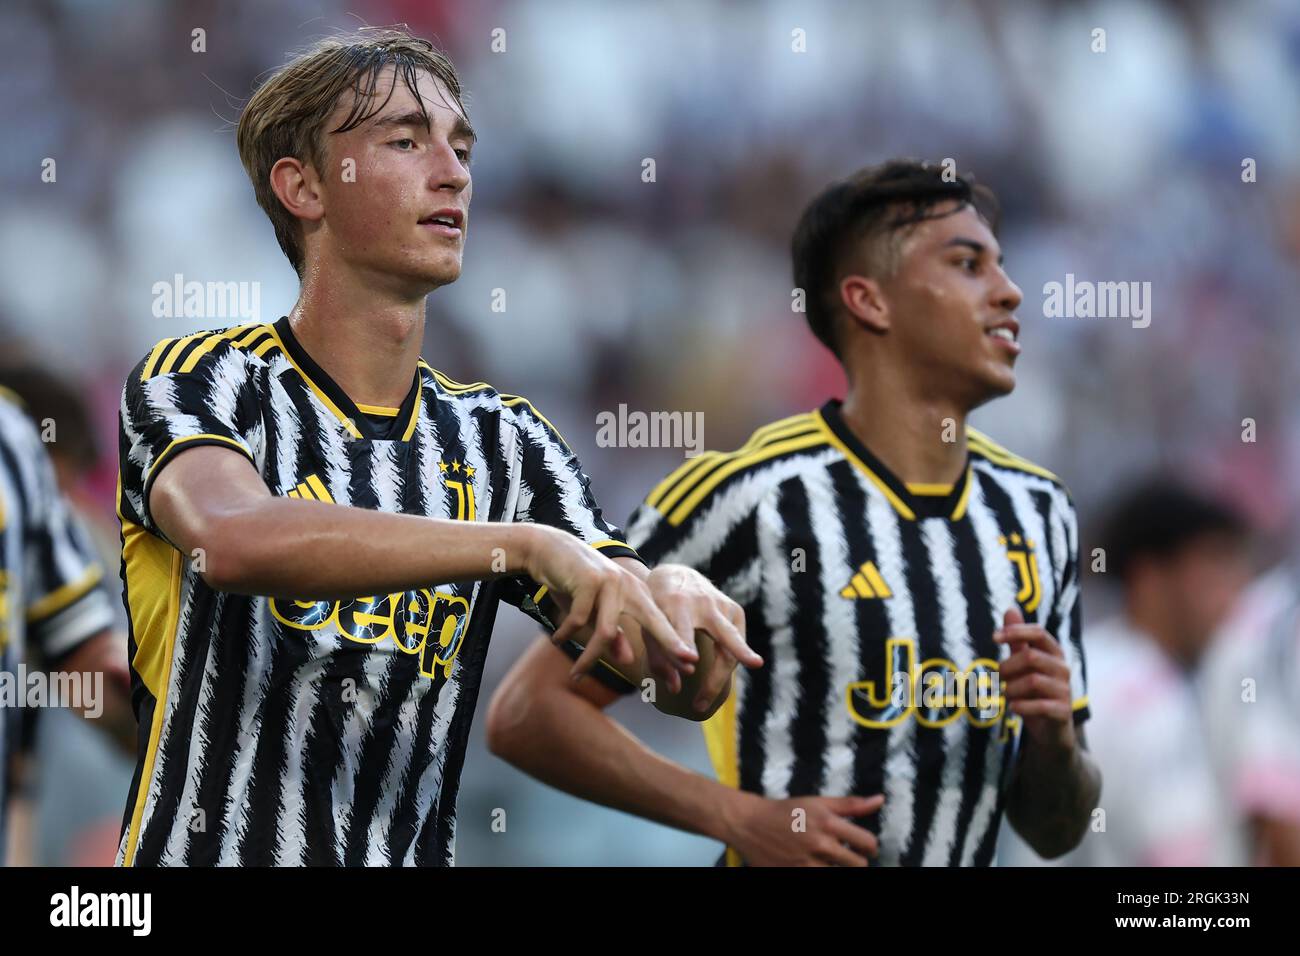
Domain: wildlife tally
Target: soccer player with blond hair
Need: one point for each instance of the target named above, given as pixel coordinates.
(318, 526)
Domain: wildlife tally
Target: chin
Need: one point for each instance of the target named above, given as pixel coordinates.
(446, 276)
(989, 387)
(436, 274)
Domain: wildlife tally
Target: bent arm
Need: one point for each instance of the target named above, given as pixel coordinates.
(1053, 796)
(212, 505)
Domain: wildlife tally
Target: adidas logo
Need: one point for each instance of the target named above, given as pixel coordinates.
(313, 489)
(867, 583)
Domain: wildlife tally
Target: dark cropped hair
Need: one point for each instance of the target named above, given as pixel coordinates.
(873, 207)
(1158, 518)
(49, 397)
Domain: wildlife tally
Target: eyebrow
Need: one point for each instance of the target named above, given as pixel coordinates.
(416, 118)
(977, 247)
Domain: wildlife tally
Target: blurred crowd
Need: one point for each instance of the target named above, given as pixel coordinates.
(1164, 149)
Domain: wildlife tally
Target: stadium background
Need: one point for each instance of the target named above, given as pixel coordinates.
(675, 295)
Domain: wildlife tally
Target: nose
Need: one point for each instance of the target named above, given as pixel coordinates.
(448, 172)
(1006, 294)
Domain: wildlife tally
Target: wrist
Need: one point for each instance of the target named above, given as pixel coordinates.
(671, 576)
(728, 825)
(1060, 749)
(523, 547)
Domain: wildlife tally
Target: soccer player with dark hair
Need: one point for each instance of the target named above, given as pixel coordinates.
(318, 526)
(1158, 523)
(912, 586)
(1181, 560)
(53, 603)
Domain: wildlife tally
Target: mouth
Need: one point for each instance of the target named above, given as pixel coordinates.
(1006, 333)
(448, 223)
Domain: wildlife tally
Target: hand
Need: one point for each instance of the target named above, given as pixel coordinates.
(1036, 682)
(105, 653)
(692, 604)
(764, 833)
(589, 586)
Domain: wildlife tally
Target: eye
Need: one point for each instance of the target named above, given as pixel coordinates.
(398, 143)
(463, 155)
(969, 263)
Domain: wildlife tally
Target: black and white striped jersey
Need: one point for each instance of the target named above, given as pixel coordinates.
(315, 732)
(874, 606)
(51, 593)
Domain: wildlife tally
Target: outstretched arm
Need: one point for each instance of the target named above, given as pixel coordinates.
(212, 504)
(556, 731)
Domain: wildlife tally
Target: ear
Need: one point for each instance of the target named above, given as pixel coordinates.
(297, 187)
(865, 302)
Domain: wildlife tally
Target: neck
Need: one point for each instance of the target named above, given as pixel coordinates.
(920, 437)
(1158, 627)
(366, 339)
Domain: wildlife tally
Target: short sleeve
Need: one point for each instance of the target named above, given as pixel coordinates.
(186, 393)
(64, 598)
(1067, 615)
